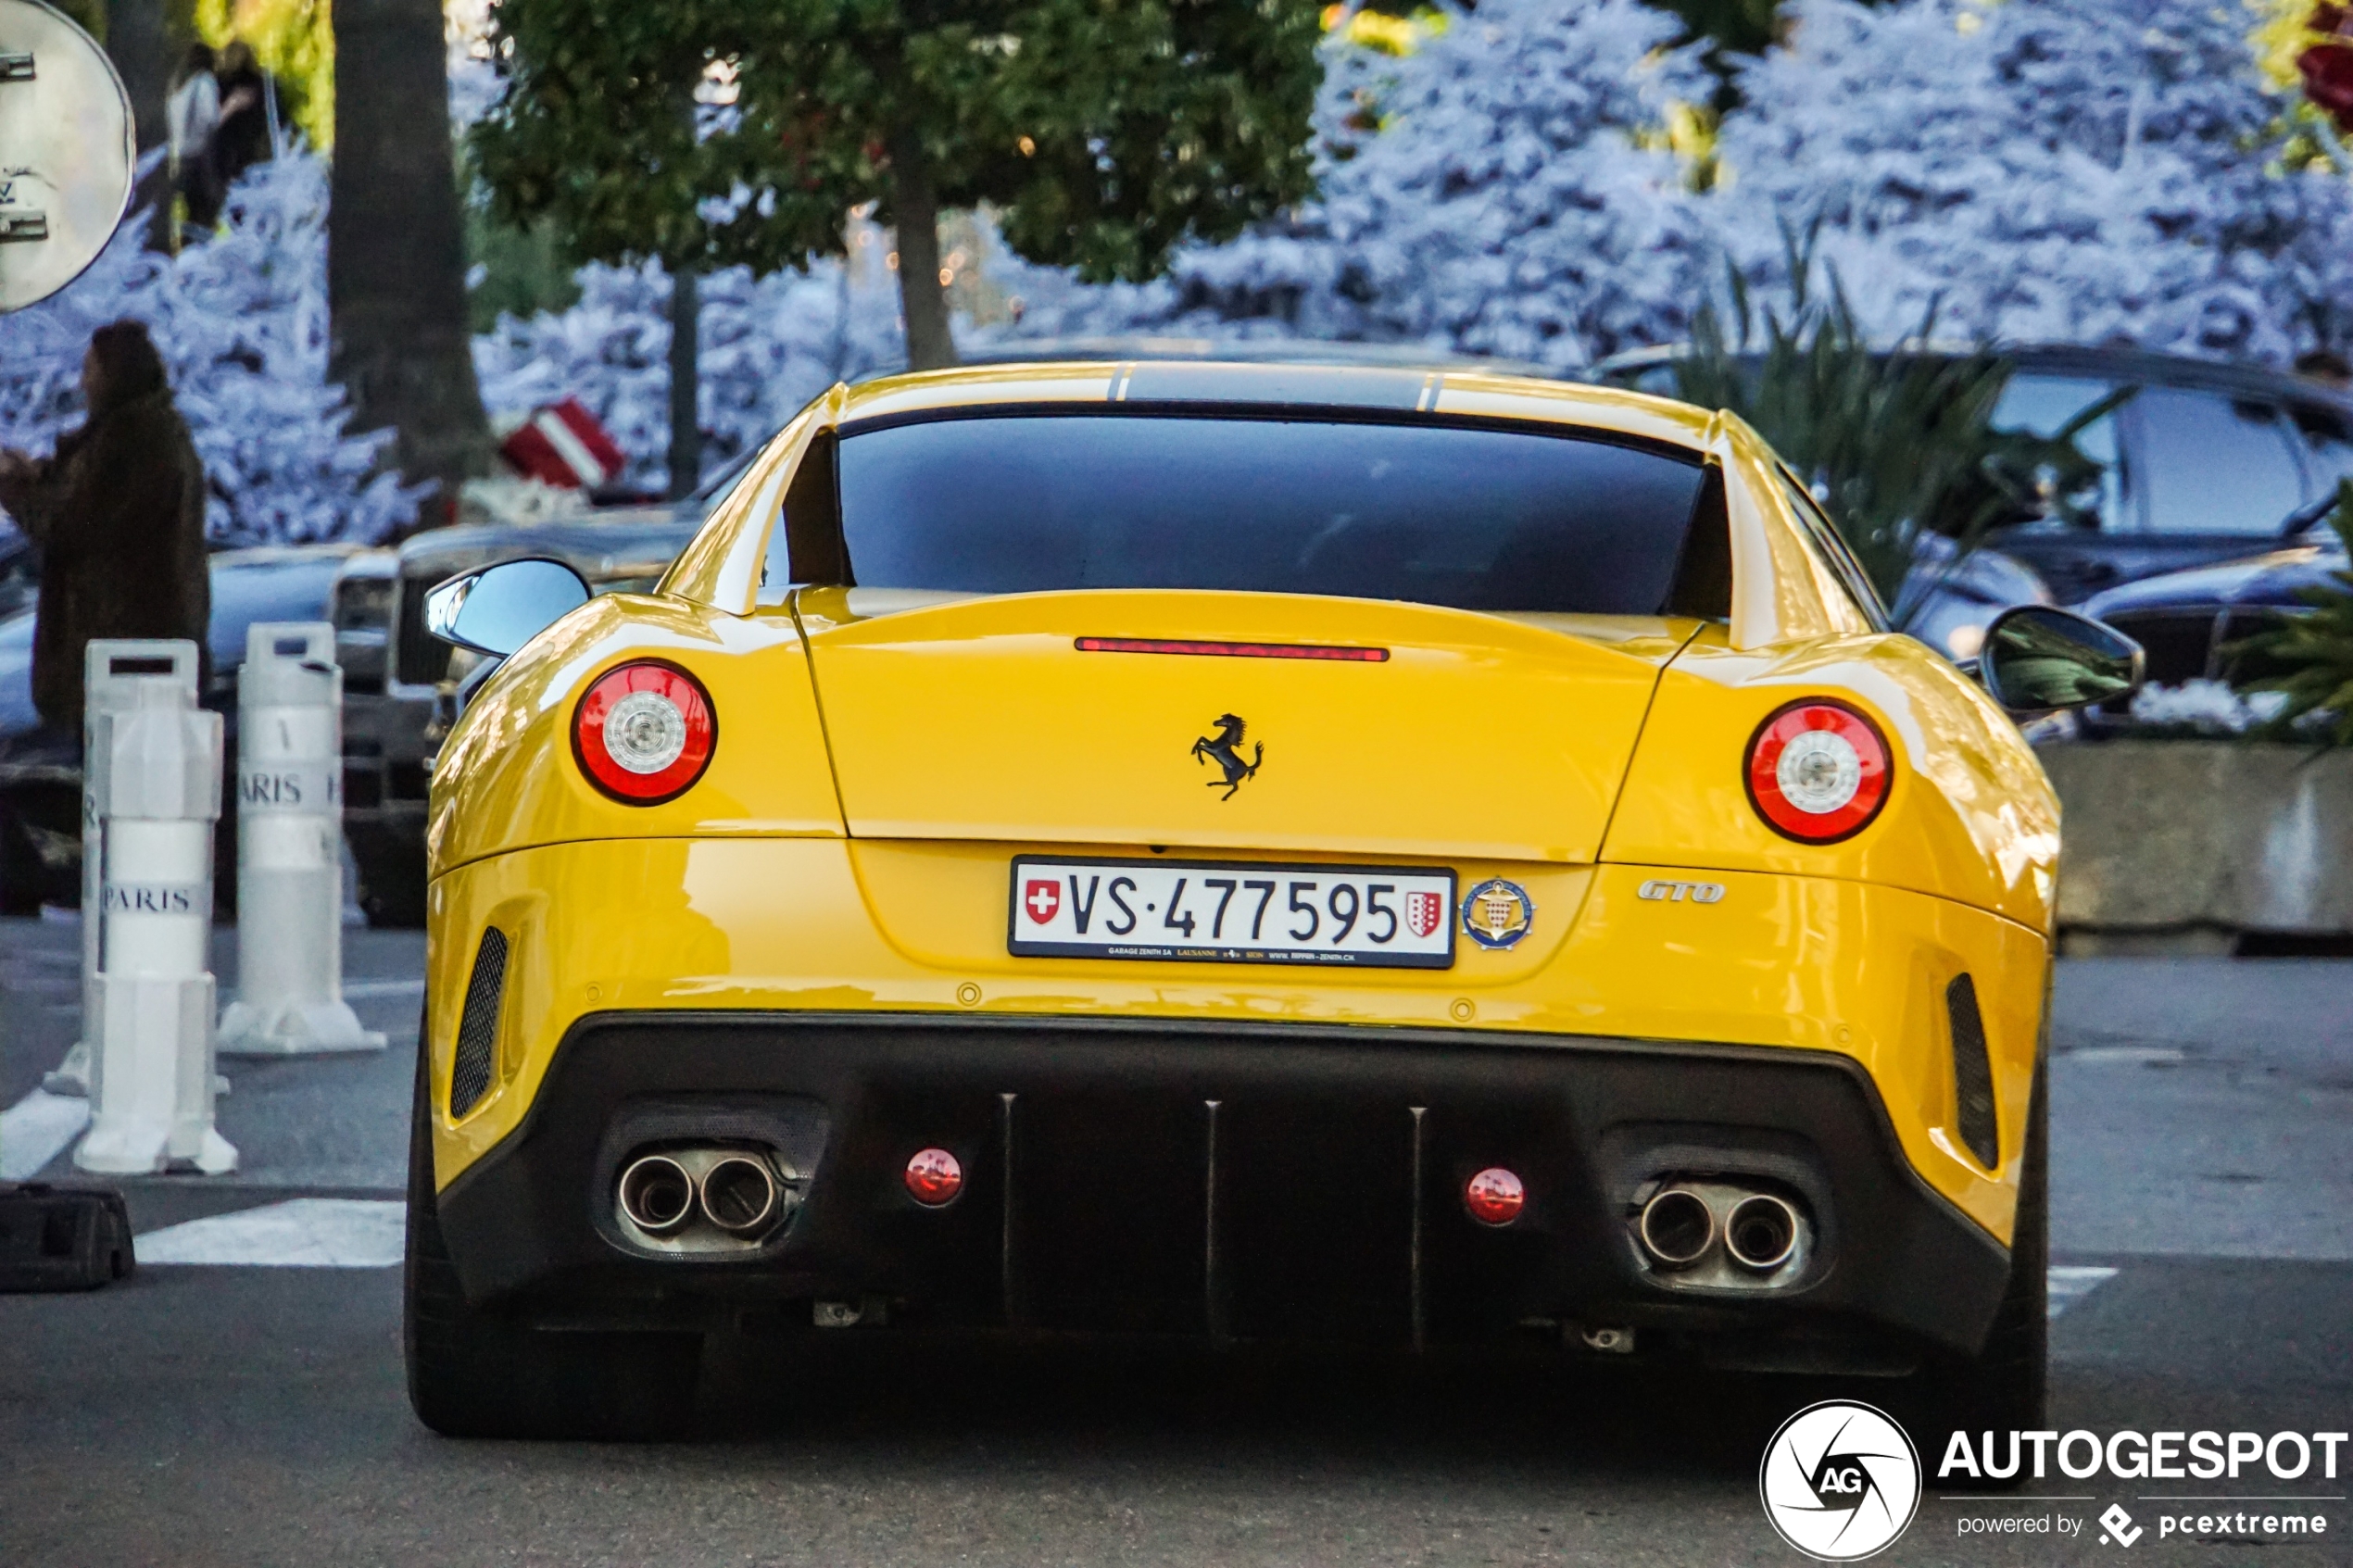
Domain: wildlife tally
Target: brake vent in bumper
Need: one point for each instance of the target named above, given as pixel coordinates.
(478, 1025)
(1972, 1073)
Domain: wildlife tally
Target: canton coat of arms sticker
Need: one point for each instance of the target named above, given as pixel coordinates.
(1497, 913)
(1424, 912)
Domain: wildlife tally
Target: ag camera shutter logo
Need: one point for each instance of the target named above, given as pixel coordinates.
(1841, 1480)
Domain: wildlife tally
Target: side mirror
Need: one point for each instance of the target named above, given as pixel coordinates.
(2037, 659)
(495, 609)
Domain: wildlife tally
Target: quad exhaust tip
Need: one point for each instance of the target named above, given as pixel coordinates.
(1722, 1235)
(657, 1195)
(739, 1194)
(1678, 1227)
(704, 1198)
(1761, 1232)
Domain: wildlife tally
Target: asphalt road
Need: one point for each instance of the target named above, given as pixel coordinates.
(2202, 1149)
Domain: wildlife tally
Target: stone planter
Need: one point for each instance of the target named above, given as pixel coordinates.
(2194, 845)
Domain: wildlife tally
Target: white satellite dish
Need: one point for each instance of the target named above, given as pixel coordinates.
(66, 152)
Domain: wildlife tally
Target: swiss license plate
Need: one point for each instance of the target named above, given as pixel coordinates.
(1218, 912)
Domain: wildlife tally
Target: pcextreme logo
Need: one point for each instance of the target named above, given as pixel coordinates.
(1841, 1480)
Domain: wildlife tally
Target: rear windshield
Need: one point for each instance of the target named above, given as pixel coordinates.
(1471, 517)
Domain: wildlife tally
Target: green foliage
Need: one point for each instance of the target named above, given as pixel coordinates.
(717, 133)
(1743, 26)
(1734, 30)
(525, 270)
(1893, 444)
(88, 15)
(2312, 655)
(513, 269)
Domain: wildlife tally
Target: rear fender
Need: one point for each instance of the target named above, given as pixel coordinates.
(1969, 815)
(507, 780)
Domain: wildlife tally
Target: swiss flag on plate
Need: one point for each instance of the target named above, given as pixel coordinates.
(1424, 911)
(1042, 899)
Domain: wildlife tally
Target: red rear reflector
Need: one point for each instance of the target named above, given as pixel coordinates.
(934, 1177)
(1817, 772)
(1234, 650)
(1494, 1197)
(643, 732)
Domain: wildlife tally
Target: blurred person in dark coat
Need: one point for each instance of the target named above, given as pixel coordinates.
(191, 115)
(118, 514)
(249, 114)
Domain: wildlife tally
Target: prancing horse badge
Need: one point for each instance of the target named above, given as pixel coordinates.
(1225, 748)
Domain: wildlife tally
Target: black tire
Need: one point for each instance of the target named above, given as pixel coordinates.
(392, 889)
(2003, 1387)
(22, 876)
(224, 858)
(473, 1374)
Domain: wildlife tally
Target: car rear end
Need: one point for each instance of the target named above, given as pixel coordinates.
(1320, 907)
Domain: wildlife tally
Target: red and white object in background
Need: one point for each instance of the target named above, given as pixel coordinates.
(563, 445)
(2327, 66)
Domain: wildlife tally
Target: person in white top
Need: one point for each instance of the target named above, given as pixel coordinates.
(191, 115)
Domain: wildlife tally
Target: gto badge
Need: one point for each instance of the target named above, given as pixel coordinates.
(1498, 913)
(1225, 748)
(1677, 892)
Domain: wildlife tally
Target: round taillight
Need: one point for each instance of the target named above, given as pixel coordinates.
(934, 1177)
(1494, 1197)
(1817, 772)
(643, 732)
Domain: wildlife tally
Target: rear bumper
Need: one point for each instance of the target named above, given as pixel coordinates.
(1319, 1199)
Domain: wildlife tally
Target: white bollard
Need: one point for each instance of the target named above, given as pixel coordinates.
(290, 850)
(151, 762)
(73, 1075)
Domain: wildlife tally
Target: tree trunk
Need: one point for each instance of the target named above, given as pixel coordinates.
(685, 419)
(916, 207)
(138, 41)
(395, 248)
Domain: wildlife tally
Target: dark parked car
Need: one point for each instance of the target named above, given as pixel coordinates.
(397, 688)
(41, 798)
(2205, 462)
(2188, 621)
(400, 683)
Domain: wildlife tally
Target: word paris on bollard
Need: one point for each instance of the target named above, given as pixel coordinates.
(290, 850)
(151, 768)
(115, 694)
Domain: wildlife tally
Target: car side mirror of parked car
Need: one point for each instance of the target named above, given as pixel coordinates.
(2037, 659)
(495, 609)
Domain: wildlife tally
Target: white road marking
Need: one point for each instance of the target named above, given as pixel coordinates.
(2068, 1286)
(35, 1129)
(302, 1233)
(385, 987)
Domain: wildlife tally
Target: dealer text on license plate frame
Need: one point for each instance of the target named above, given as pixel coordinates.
(1076, 918)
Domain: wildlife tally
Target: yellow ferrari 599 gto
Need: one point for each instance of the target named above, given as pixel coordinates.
(1256, 852)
